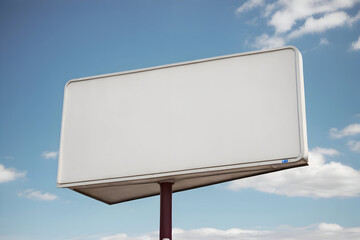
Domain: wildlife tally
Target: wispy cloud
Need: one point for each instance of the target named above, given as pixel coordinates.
(266, 41)
(10, 174)
(354, 146)
(37, 195)
(323, 42)
(350, 130)
(49, 155)
(321, 179)
(355, 46)
(317, 25)
(293, 19)
(321, 231)
(248, 5)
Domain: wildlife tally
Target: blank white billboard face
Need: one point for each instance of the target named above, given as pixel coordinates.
(187, 122)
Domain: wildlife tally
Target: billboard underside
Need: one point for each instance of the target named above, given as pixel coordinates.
(117, 192)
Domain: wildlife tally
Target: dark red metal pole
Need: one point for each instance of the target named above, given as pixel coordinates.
(165, 210)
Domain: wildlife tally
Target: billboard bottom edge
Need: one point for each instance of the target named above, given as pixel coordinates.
(112, 193)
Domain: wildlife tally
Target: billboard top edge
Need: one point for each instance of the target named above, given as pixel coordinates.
(297, 56)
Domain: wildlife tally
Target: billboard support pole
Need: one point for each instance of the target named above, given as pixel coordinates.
(166, 210)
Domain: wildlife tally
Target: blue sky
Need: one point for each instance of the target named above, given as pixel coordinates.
(43, 44)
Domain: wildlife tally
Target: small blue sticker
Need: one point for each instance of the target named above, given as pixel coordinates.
(285, 161)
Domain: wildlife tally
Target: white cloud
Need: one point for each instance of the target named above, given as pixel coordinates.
(354, 145)
(322, 231)
(354, 19)
(265, 41)
(292, 11)
(269, 9)
(9, 174)
(328, 21)
(249, 5)
(123, 236)
(288, 13)
(37, 195)
(312, 16)
(88, 237)
(350, 130)
(355, 46)
(49, 155)
(329, 227)
(321, 179)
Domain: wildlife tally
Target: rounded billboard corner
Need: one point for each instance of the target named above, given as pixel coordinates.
(303, 157)
(59, 184)
(306, 156)
(69, 82)
(295, 49)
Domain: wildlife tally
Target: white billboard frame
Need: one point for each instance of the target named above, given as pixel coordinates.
(143, 185)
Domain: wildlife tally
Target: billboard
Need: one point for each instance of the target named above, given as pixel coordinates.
(194, 123)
